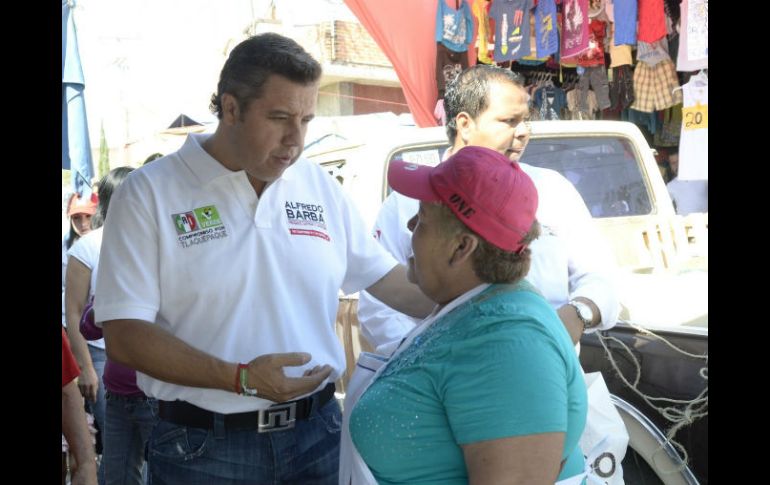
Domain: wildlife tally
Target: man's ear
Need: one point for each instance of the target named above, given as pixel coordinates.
(464, 124)
(230, 109)
(465, 245)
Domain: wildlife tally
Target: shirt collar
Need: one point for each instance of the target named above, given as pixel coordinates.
(206, 168)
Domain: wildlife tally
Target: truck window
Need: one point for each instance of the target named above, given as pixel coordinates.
(603, 169)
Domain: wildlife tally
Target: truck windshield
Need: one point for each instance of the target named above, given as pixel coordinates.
(603, 169)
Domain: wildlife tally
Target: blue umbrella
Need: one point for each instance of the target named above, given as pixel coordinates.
(76, 148)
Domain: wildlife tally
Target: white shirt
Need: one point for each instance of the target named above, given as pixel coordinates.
(694, 138)
(190, 247)
(689, 195)
(86, 250)
(569, 259)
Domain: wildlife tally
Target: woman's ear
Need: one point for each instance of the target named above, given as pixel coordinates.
(465, 244)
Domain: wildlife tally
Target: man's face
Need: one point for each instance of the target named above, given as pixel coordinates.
(673, 162)
(503, 126)
(269, 136)
(430, 252)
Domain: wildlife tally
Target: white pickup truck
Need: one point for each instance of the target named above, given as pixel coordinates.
(663, 273)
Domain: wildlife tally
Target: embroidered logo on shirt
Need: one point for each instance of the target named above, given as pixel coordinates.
(198, 226)
(305, 214)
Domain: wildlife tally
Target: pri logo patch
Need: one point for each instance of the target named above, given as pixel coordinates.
(198, 226)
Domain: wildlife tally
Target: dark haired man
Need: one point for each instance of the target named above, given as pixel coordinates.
(219, 278)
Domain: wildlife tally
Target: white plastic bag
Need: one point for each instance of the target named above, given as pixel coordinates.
(605, 439)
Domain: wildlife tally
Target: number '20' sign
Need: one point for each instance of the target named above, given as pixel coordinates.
(695, 117)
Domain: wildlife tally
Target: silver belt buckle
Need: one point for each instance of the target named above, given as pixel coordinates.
(277, 418)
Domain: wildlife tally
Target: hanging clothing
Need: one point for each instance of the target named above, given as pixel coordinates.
(652, 20)
(573, 105)
(621, 88)
(594, 55)
(533, 58)
(549, 101)
(574, 31)
(625, 21)
(694, 139)
(668, 135)
(596, 76)
(652, 53)
(481, 12)
(546, 30)
(620, 55)
(511, 29)
(653, 86)
(448, 65)
(693, 36)
(454, 28)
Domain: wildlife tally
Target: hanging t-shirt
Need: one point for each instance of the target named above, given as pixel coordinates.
(624, 13)
(454, 28)
(511, 29)
(546, 31)
(481, 12)
(549, 101)
(594, 55)
(693, 36)
(574, 31)
(694, 140)
(652, 20)
(448, 65)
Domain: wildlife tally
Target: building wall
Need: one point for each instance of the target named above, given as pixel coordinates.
(353, 44)
(374, 99)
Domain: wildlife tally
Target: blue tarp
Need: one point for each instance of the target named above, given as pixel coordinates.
(76, 148)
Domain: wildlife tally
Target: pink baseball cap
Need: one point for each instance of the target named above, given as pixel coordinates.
(80, 205)
(488, 192)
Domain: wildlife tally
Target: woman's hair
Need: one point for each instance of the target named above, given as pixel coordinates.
(107, 186)
(490, 263)
(72, 236)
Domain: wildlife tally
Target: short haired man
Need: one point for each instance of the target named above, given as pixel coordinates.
(219, 274)
(487, 106)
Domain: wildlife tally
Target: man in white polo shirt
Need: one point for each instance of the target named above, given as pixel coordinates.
(218, 282)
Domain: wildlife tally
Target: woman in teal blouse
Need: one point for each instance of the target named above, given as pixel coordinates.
(488, 389)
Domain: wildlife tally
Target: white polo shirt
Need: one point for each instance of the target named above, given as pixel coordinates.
(189, 246)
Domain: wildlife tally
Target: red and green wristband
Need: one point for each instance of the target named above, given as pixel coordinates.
(242, 381)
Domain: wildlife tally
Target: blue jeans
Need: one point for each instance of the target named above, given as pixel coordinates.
(99, 358)
(307, 454)
(129, 423)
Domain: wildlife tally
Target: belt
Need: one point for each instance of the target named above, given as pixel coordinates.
(277, 417)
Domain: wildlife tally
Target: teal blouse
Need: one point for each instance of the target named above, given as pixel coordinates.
(497, 366)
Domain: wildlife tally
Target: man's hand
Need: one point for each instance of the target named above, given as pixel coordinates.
(267, 376)
(88, 383)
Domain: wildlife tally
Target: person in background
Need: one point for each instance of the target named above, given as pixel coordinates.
(488, 389)
(79, 212)
(73, 423)
(152, 157)
(80, 285)
(219, 280)
(129, 414)
(571, 264)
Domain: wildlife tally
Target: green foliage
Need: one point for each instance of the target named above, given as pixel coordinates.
(104, 154)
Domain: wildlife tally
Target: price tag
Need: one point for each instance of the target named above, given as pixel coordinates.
(696, 117)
